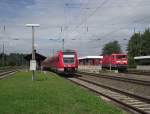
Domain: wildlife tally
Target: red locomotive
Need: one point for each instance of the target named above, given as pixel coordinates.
(115, 61)
(62, 62)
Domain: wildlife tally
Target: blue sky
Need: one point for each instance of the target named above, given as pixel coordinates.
(107, 20)
(12, 8)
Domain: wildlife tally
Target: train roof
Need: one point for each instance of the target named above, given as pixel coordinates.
(68, 50)
(142, 57)
(119, 54)
(91, 57)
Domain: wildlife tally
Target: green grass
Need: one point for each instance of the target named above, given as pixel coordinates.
(49, 94)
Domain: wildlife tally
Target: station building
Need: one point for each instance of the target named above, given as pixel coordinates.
(142, 62)
(90, 63)
(38, 57)
(90, 60)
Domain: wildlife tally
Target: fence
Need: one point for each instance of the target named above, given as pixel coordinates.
(90, 68)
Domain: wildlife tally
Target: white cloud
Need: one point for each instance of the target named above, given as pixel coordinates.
(108, 21)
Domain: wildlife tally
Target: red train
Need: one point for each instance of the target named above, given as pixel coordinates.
(115, 61)
(62, 62)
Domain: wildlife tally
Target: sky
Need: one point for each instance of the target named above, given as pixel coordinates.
(85, 25)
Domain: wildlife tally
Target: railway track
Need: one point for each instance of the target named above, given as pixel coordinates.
(4, 73)
(139, 73)
(132, 102)
(124, 79)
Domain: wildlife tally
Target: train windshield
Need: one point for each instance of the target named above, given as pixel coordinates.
(68, 60)
(68, 57)
(121, 56)
(68, 53)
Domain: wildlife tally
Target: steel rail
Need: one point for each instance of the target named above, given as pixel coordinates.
(6, 73)
(139, 73)
(145, 99)
(124, 79)
(118, 96)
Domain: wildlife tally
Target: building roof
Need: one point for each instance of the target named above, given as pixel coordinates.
(38, 57)
(142, 57)
(91, 57)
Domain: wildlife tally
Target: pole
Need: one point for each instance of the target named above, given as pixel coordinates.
(33, 52)
(87, 29)
(110, 63)
(3, 56)
(140, 42)
(63, 43)
(53, 51)
(61, 29)
(3, 59)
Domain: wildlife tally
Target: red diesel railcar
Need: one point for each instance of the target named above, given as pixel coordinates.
(115, 61)
(62, 62)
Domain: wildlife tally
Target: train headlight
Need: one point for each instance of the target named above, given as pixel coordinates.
(118, 62)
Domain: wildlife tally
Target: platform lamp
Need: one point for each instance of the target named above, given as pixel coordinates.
(33, 61)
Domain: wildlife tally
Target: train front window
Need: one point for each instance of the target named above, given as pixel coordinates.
(68, 60)
(68, 57)
(121, 56)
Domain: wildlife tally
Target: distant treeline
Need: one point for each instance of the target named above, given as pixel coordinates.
(12, 59)
(139, 45)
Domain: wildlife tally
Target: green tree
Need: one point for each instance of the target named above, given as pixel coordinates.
(145, 42)
(111, 47)
(139, 45)
(134, 48)
(12, 59)
(134, 45)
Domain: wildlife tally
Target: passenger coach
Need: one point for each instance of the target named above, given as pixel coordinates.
(62, 62)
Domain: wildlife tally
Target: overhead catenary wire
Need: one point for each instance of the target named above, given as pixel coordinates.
(87, 17)
(91, 14)
(114, 31)
(81, 10)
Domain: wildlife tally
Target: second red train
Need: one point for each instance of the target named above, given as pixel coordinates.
(115, 61)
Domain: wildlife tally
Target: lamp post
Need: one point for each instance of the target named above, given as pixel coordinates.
(33, 52)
